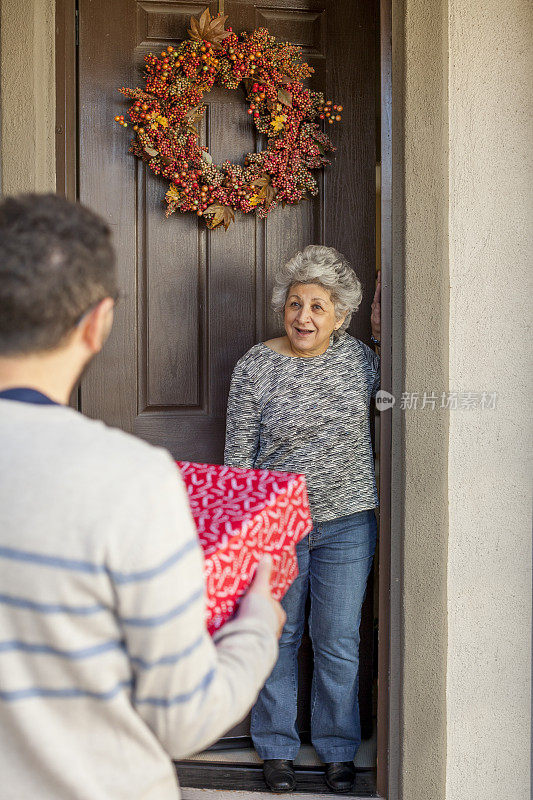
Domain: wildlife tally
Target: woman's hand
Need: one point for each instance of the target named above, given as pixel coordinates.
(375, 316)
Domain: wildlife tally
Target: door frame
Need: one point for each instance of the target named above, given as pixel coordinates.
(67, 157)
(388, 747)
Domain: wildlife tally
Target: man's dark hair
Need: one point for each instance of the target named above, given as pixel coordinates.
(56, 262)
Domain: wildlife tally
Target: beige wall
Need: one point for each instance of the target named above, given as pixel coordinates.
(420, 300)
(28, 95)
(490, 78)
(463, 76)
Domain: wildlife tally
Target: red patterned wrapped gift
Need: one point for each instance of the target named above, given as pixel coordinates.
(241, 514)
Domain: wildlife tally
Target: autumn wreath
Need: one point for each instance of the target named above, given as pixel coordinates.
(165, 113)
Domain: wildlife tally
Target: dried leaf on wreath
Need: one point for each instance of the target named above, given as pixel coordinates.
(194, 31)
(151, 151)
(269, 193)
(218, 23)
(222, 215)
(194, 115)
(209, 29)
(263, 180)
(173, 193)
(278, 122)
(207, 157)
(285, 97)
(266, 191)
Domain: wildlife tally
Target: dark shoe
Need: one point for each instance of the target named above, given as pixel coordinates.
(340, 776)
(279, 775)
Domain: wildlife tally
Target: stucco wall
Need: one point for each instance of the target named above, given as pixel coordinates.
(28, 95)
(420, 262)
(463, 248)
(491, 247)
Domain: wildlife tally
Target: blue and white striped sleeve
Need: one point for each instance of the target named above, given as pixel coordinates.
(243, 420)
(188, 688)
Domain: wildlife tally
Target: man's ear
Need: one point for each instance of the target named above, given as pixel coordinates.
(96, 325)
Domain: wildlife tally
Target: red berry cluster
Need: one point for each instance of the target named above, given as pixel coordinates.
(164, 116)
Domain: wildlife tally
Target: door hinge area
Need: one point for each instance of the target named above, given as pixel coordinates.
(77, 27)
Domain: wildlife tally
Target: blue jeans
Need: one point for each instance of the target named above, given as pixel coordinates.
(334, 562)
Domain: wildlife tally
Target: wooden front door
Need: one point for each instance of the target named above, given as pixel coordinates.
(194, 300)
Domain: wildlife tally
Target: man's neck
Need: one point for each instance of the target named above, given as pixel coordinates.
(54, 374)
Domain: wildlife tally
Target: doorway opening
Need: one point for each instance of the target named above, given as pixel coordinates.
(100, 47)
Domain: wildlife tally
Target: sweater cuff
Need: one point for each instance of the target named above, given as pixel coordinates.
(255, 612)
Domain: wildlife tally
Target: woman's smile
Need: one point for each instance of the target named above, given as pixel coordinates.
(309, 319)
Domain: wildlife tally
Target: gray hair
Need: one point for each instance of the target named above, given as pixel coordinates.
(326, 267)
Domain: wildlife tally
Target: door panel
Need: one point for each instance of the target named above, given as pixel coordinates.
(196, 300)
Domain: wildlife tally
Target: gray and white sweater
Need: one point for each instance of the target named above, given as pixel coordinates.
(308, 415)
(106, 668)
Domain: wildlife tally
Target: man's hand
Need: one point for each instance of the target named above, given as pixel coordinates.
(261, 585)
(375, 316)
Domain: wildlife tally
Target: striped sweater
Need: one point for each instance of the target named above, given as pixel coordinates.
(106, 668)
(308, 415)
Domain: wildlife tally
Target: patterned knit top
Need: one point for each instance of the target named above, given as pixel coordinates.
(308, 415)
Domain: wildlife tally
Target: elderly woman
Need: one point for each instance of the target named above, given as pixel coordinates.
(300, 403)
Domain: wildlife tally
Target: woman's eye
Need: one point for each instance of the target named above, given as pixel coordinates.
(294, 304)
(317, 307)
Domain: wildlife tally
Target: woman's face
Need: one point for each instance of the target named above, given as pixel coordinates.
(309, 319)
